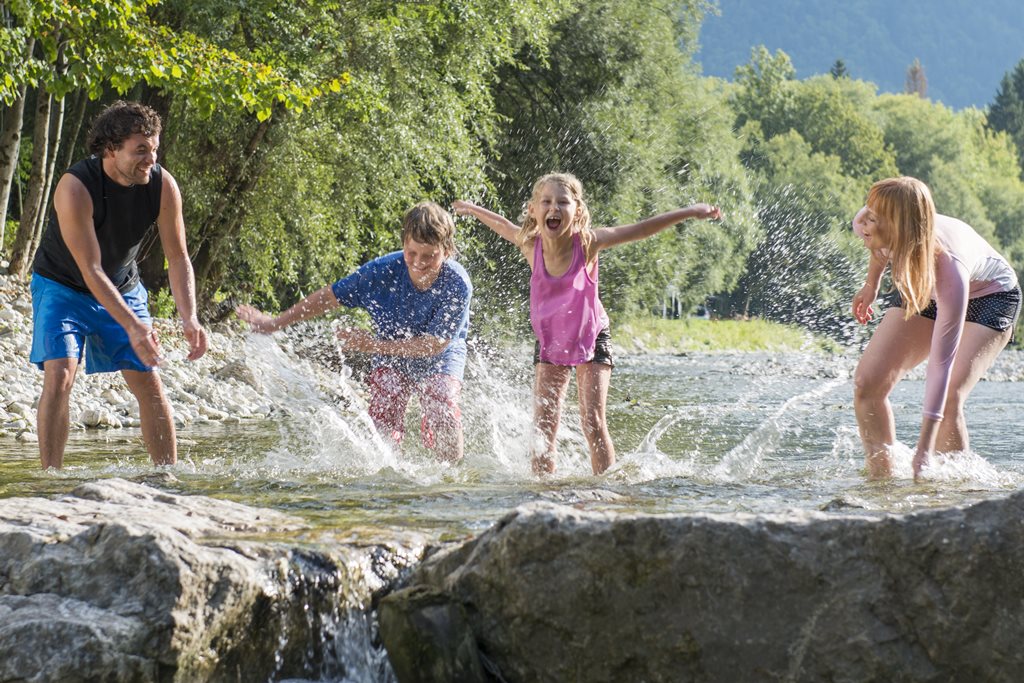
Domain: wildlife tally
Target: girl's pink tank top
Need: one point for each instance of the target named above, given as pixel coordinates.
(565, 311)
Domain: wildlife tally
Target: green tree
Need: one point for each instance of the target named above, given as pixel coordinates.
(1006, 113)
(827, 112)
(617, 102)
(805, 270)
(283, 208)
(824, 115)
(973, 172)
(58, 47)
(765, 91)
(919, 132)
(813, 147)
(916, 82)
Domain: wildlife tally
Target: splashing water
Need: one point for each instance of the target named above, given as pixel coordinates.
(741, 462)
(694, 433)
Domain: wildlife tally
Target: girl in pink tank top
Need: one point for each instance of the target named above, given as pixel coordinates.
(565, 310)
(571, 325)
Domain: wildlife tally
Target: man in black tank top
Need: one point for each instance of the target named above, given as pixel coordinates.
(86, 296)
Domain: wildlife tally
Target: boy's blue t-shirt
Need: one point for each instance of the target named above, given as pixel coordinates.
(400, 311)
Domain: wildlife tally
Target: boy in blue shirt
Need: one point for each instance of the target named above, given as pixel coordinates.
(418, 300)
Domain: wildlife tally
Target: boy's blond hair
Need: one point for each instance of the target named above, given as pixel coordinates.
(908, 213)
(428, 223)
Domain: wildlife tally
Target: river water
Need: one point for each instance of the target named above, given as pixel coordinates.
(694, 433)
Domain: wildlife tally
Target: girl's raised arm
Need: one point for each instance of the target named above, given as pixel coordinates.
(609, 237)
(499, 224)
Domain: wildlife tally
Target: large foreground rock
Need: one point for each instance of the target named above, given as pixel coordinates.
(124, 582)
(554, 594)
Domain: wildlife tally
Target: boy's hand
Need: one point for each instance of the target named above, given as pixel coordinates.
(706, 211)
(258, 320)
(357, 340)
(862, 300)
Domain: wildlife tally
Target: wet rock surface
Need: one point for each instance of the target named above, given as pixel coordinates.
(551, 593)
(122, 581)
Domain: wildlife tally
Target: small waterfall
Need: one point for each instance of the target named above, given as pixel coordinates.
(328, 623)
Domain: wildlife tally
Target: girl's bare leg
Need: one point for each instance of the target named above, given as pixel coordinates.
(896, 346)
(592, 380)
(979, 347)
(549, 386)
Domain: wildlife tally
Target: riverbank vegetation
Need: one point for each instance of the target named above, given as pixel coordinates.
(640, 334)
(300, 132)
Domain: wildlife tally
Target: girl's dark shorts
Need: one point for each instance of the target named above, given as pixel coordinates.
(997, 311)
(602, 349)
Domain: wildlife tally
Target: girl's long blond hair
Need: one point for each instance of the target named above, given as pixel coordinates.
(581, 223)
(907, 214)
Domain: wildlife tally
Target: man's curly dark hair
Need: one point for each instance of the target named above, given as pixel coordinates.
(120, 121)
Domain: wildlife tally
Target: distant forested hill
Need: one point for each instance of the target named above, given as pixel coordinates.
(965, 46)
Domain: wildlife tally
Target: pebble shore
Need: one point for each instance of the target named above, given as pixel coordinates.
(223, 385)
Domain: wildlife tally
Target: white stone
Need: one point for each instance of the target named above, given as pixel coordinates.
(113, 397)
(211, 412)
(97, 418)
(19, 408)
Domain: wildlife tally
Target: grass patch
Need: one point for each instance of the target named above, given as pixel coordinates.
(662, 335)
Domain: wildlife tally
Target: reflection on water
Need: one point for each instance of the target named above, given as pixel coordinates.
(696, 433)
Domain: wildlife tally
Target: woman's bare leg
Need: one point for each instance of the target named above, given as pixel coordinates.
(896, 346)
(979, 347)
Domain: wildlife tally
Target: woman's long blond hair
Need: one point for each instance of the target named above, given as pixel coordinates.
(581, 221)
(907, 214)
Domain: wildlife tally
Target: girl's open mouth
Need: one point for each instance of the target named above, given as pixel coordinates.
(554, 223)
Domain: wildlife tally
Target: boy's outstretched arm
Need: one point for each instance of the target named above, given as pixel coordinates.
(499, 224)
(362, 341)
(609, 237)
(320, 301)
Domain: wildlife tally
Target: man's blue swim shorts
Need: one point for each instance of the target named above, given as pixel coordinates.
(66, 322)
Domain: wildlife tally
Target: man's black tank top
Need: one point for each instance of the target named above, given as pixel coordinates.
(123, 216)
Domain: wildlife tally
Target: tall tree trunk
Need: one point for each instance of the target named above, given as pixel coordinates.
(10, 145)
(20, 257)
(69, 141)
(222, 224)
(233, 223)
(151, 255)
(53, 150)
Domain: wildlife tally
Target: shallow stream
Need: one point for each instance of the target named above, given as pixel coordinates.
(694, 433)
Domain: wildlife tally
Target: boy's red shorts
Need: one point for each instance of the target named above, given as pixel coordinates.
(390, 391)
